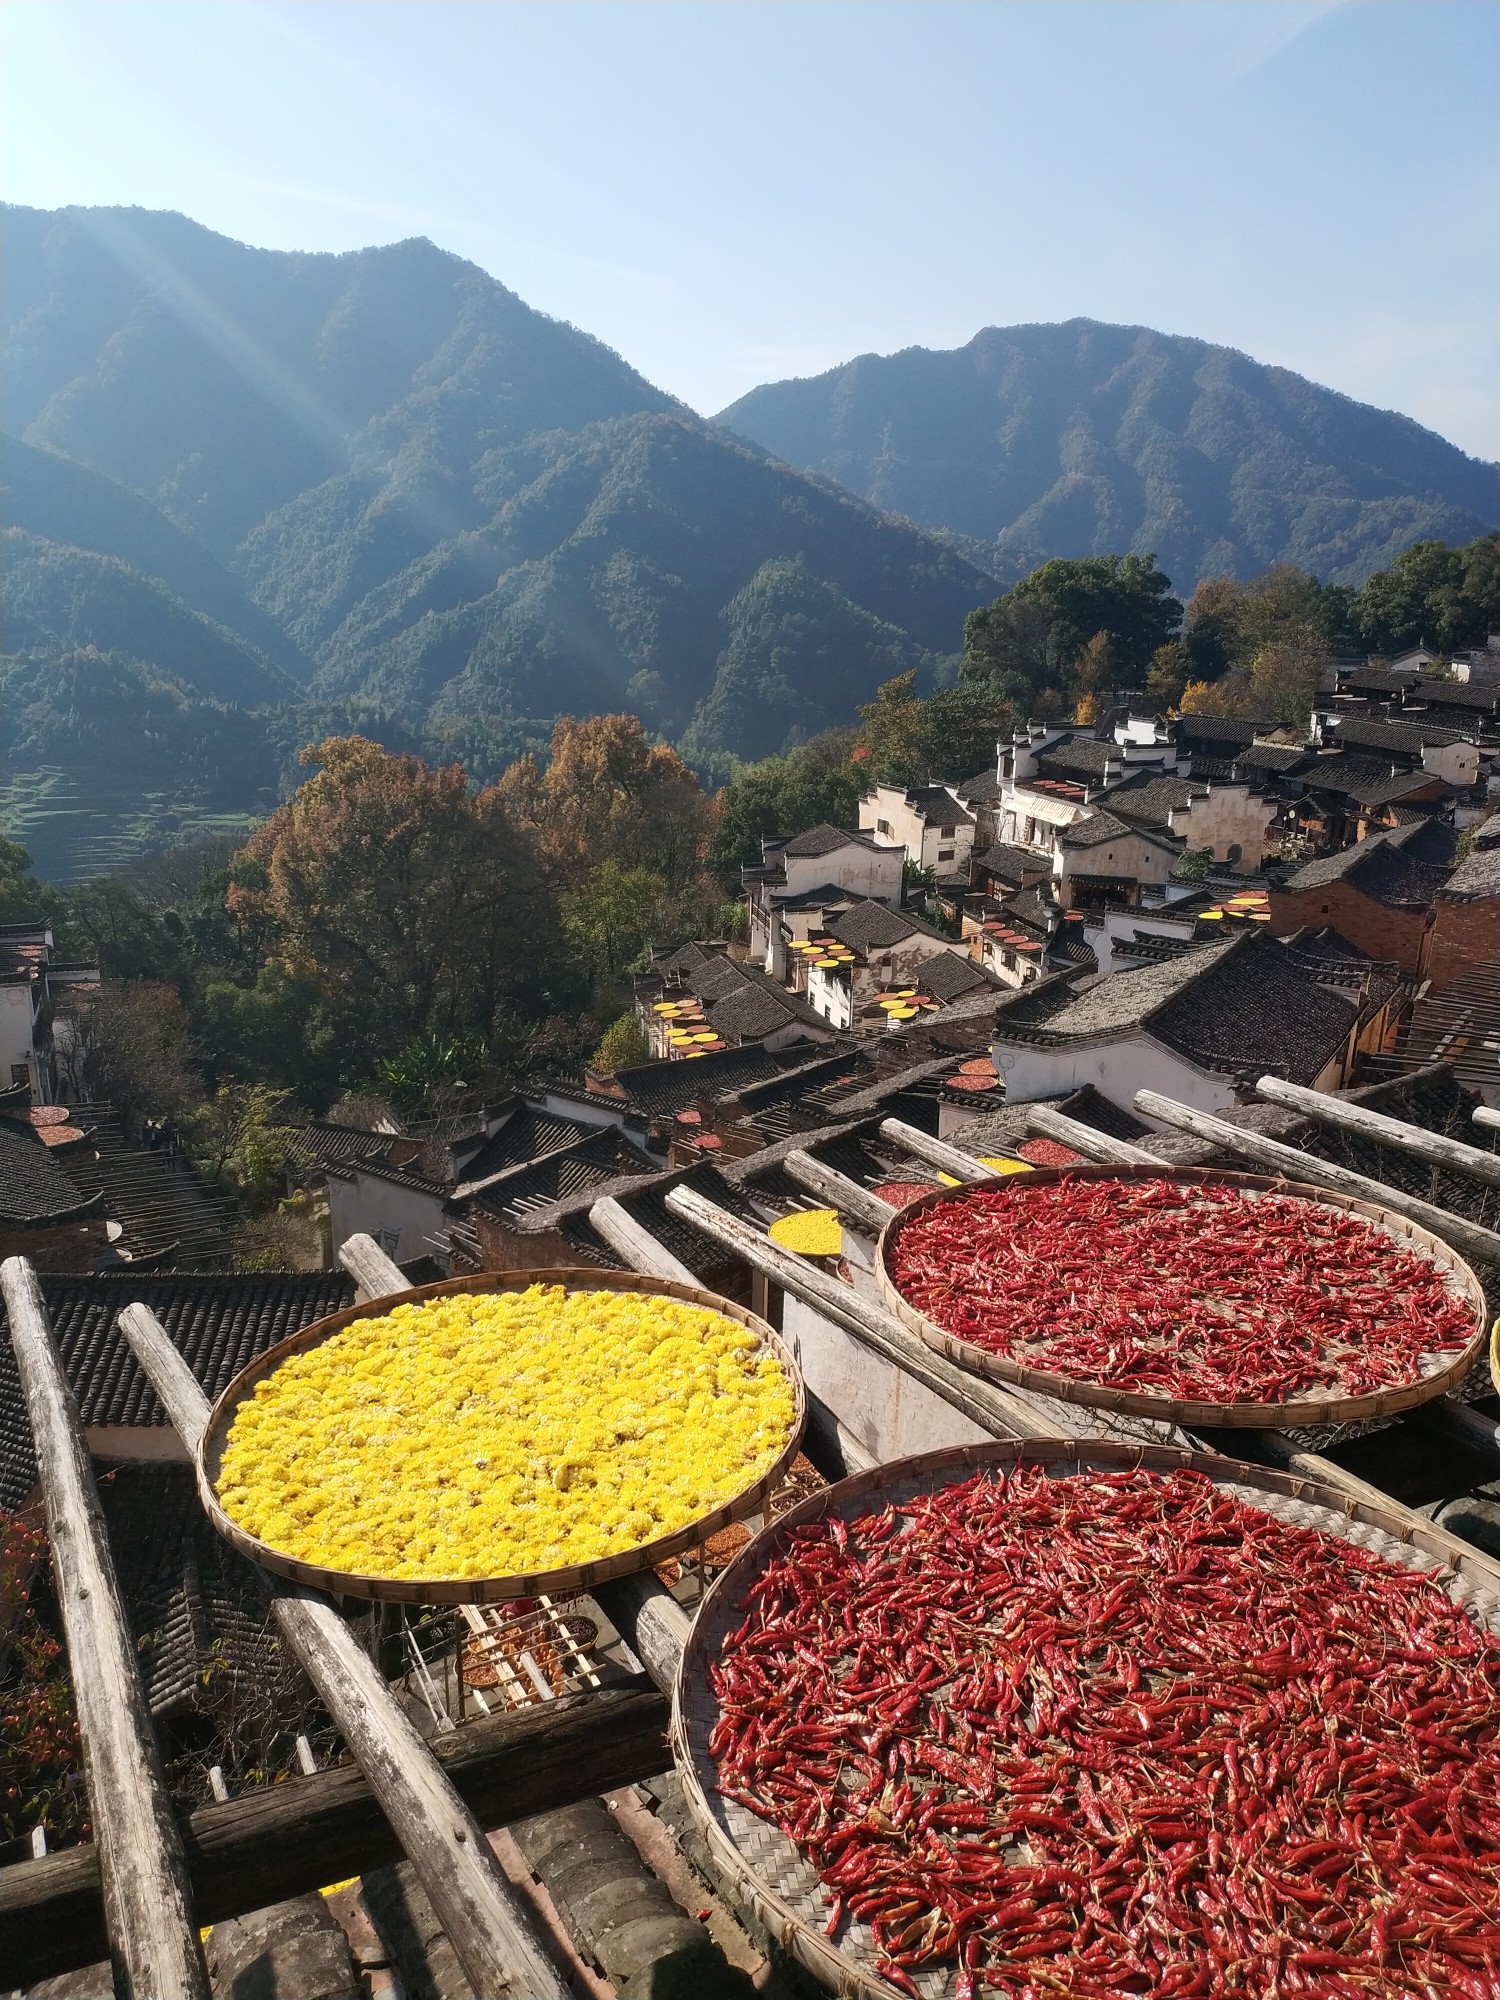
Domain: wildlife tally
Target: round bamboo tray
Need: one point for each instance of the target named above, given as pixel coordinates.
(573, 1579)
(781, 1886)
(1301, 1410)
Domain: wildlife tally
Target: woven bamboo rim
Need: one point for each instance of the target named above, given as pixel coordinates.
(771, 1876)
(567, 1581)
(1302, 1410)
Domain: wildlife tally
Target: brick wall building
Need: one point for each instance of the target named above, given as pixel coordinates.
(1465, 927)
(1377, 893)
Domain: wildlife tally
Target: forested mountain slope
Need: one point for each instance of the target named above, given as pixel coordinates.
(470, 514)
(1087, 439)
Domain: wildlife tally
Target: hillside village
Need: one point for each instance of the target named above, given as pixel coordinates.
(979, 975)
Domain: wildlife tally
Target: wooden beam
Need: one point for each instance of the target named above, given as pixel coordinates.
(1050, 1123)
(370, 1268)
(636, 1244)
(1451, 1154)
(147, 1897)
(936, 1152)
(489, 1928)
(285, 1840)
(1458, 1423)
(652, 1622)
(1488, 1118)
(998, 1410)
(1275, 1158)
(848, 1197)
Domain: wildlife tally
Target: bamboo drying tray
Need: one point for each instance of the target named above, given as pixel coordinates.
(575, 1578)
(781, 1886)
(1302, 1410)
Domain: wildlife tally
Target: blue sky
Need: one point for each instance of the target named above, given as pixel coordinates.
(732, 193)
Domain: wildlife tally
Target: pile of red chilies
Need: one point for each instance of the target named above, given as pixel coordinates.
(1118, 1734)
(1188, 1290)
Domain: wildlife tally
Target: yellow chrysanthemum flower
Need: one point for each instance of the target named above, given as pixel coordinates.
(494, 1434)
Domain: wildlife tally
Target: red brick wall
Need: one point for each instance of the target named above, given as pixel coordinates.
(1374, 927)
(1463, 934)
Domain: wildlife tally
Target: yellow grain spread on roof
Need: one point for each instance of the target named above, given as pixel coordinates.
(816, 1232)
(497, 1434)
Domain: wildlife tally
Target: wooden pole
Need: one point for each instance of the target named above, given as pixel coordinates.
(1451, 1154)
(996, 1409)
(936, 1152)
(285, 1840)
(636, 1244)
(848, 1197)
(493, 1935)
(148, 1903)
(371, 1269)
(1488, 1118)
(1270, 1154)
(1050, 1123)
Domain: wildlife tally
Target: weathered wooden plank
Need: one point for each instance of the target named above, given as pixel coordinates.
(147, 1897)
(494, 1936)
(838, 1191)
(1450, 1154)
(1049, 1123)
(370, 1268)
(635, 1243)
(284, 1840)
(996, 1409)
(1488, 1117)
(1480, 1244)
(936, 1152)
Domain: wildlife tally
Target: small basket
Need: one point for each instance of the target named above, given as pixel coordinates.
(573, 1580)
(1296, 1412)
(779, 1884)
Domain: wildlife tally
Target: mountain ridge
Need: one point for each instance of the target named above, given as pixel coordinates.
(1082, 437)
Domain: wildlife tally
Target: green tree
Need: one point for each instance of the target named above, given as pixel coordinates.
(23, 900)
(1038, 630)
(1445, 597)
(814, 783)
(613, 916)
(412, 902)
(621, 1046)
(908, 740)
(279, 1031)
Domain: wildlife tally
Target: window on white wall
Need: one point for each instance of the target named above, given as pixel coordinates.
(388, 1239)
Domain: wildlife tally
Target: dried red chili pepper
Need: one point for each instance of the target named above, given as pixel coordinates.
(1194, 1290)
(1153, 1741)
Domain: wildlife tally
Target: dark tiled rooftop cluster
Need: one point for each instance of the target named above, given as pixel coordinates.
(217, 1323)
(34, 1188)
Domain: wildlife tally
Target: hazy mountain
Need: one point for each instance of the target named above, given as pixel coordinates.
(451, 505)
(1087, 439)
(59, 500)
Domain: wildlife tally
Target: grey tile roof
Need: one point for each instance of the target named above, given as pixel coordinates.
(1077, 757)
(597, 1157)
(33, 1186)
(985, 789)
(1477, 877)
(1469, 696)
(871, 926)
(1114, 1001)
(937, 806)
(1256, 1008)
(321, 1144)
(1013, 864)
(1146, 800)
(1195, 729)
(1093, 830)
(217, 1324)
(740, 1001)
(1409, 739)
(660, 1089)
(1368, 780)
(825, 839)
(528, 1134)
(1379, 867)
(947, 974)
(1275, 757)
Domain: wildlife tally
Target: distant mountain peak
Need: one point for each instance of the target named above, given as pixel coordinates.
(1081, 437)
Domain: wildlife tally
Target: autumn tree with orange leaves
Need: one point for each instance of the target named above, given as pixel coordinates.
(414, 902)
